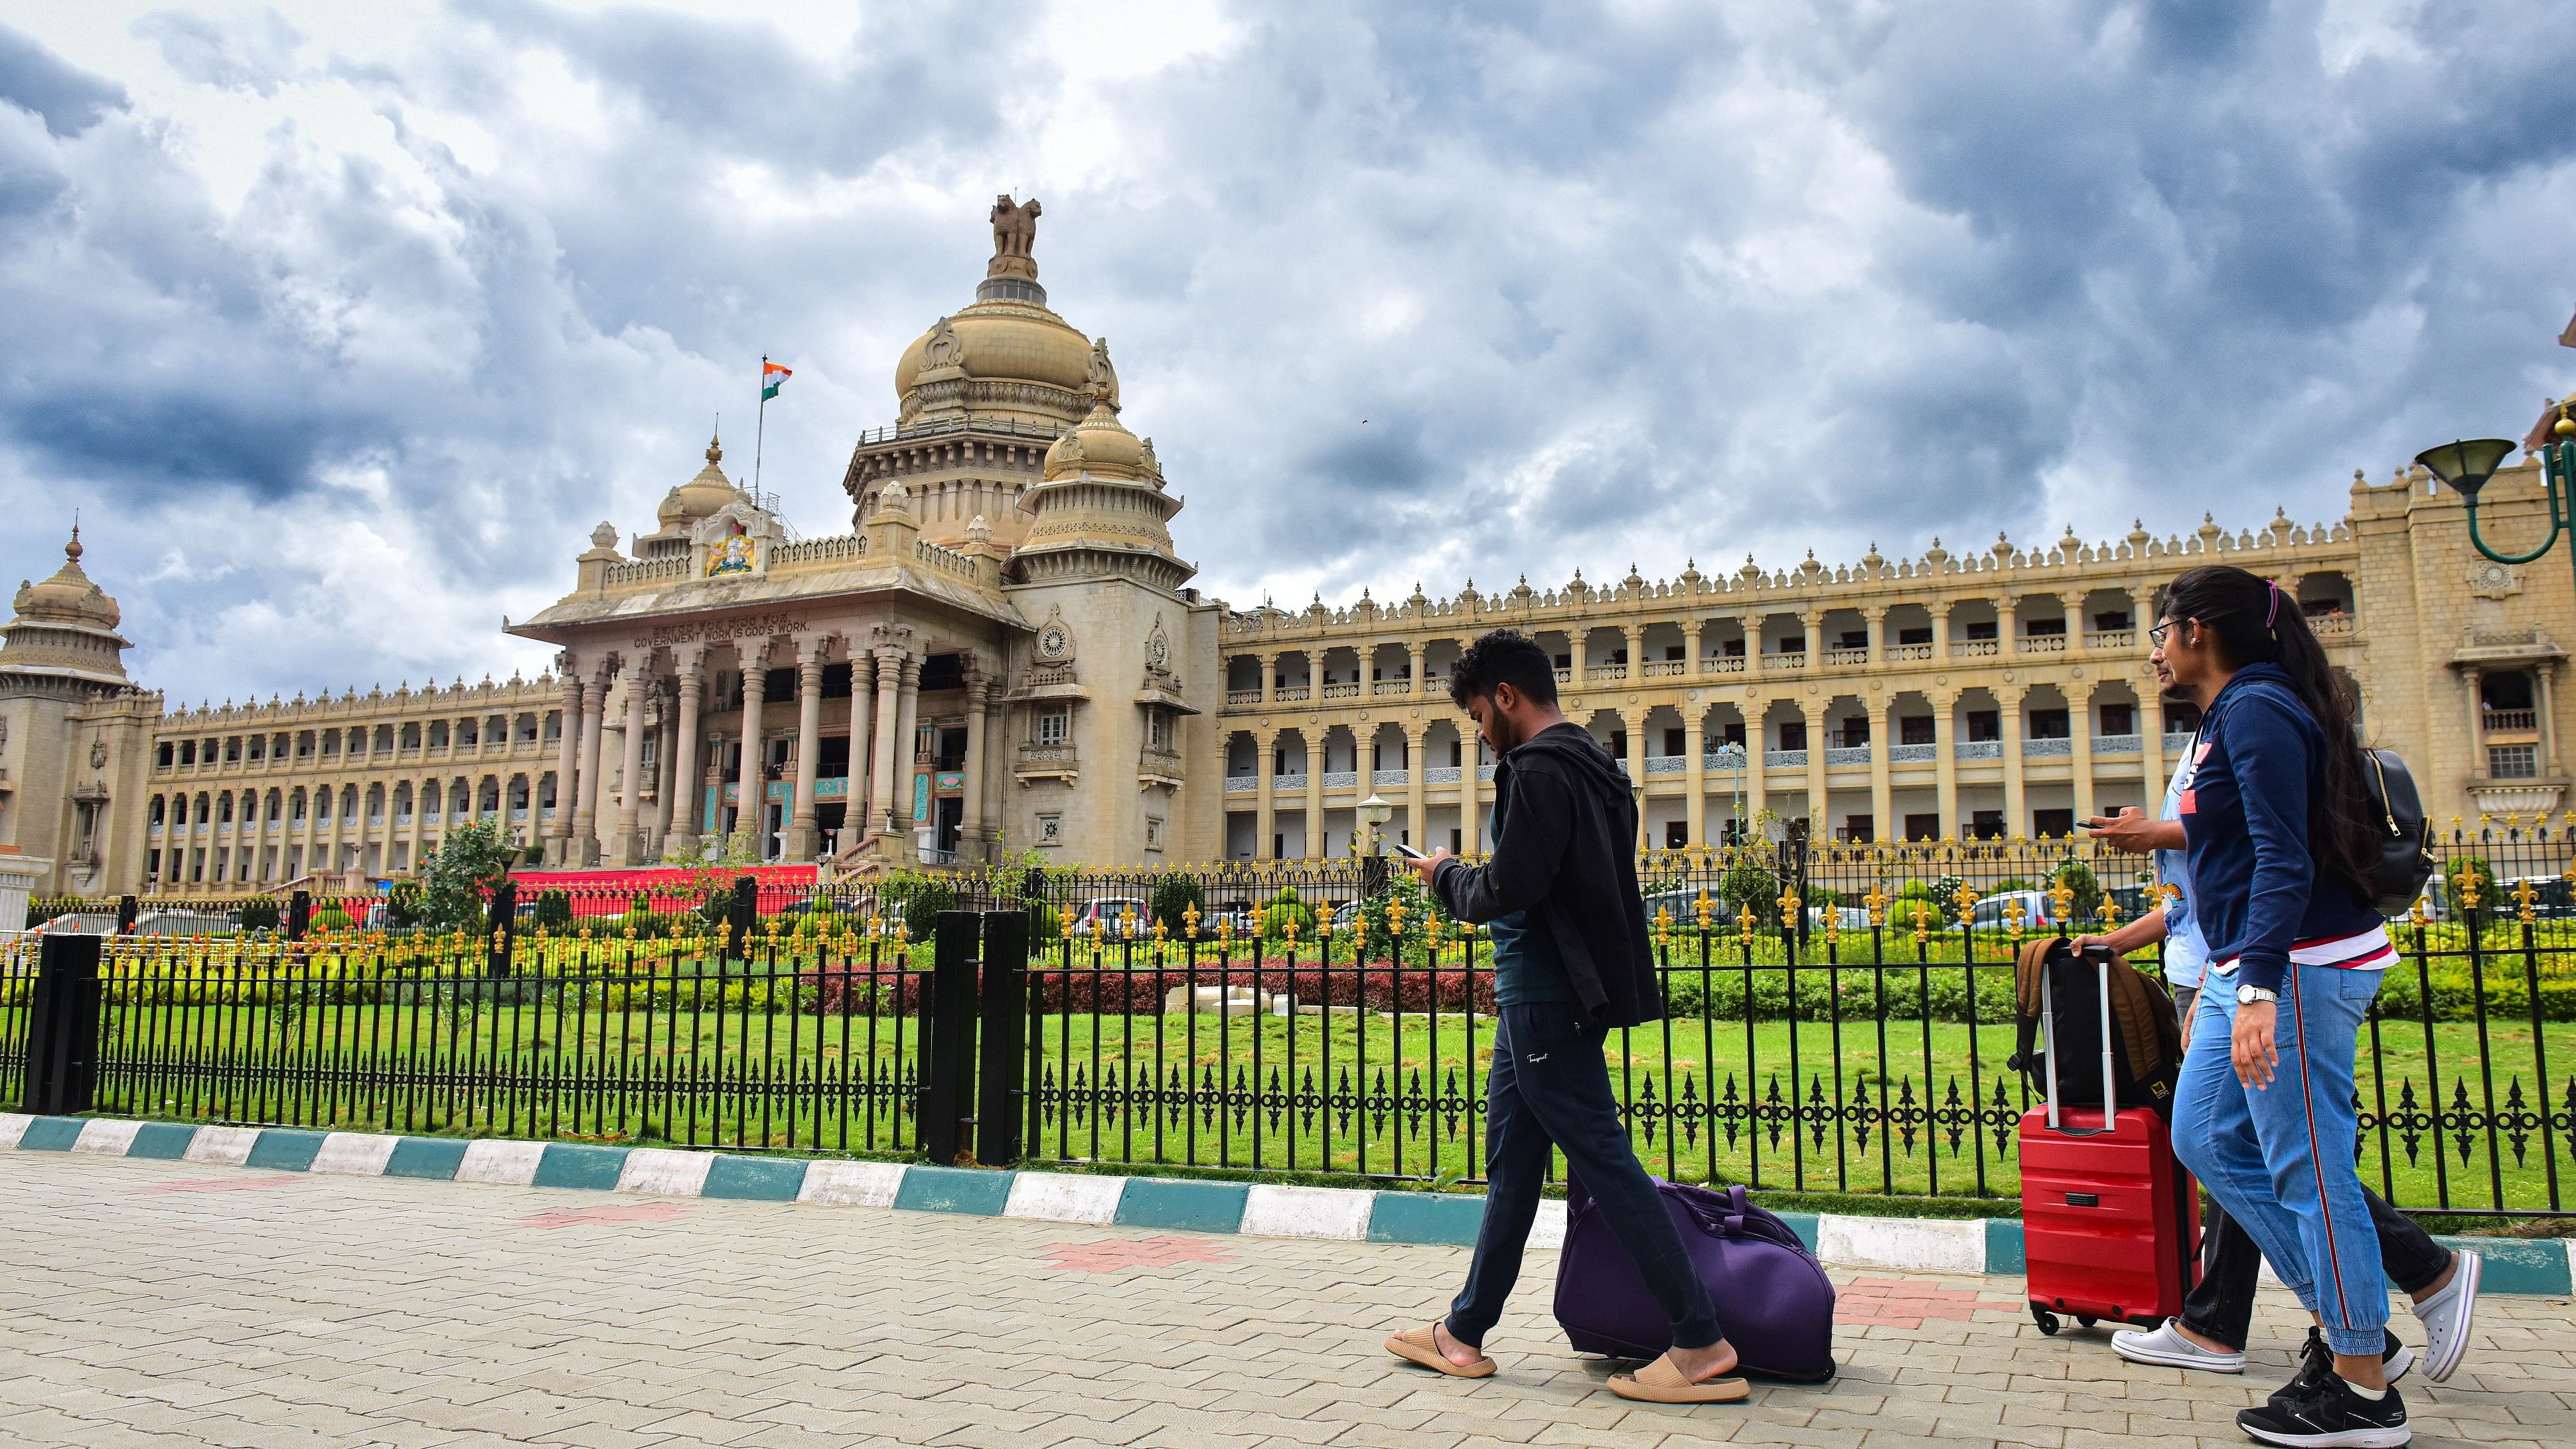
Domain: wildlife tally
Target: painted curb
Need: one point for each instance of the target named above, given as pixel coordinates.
(2522, 1266)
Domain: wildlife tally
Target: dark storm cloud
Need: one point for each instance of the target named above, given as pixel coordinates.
(35, 79)
(1402, 292)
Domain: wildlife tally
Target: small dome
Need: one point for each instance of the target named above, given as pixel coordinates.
(707, 493)
(68, 597)
(1100, 446)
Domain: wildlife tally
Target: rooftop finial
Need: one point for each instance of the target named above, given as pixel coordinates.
(1015, 235)
(715, 446)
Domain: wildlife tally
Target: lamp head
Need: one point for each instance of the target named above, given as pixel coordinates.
(1374, 811)
(2467, 465)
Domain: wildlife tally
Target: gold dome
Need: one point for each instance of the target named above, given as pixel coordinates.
(707, 493)
(1000, 342)
(1101, 447)
(68, 597)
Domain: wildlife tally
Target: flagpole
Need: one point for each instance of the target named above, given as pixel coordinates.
(760, 432)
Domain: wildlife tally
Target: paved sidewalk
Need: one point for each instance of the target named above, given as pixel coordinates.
(170, 1304)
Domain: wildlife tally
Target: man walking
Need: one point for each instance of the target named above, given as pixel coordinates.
(1571, 962)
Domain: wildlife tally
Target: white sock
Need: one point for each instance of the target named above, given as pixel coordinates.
(2367, 1395)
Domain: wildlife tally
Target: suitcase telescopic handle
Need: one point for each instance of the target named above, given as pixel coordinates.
(2101, 956)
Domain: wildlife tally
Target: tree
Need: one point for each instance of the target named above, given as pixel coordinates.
(1175, 894)
(458, 877)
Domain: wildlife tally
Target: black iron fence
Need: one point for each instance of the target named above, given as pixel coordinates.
(1838, 1020)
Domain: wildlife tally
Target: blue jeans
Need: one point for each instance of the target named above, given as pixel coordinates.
(2280, 1159)
(1548, 1086)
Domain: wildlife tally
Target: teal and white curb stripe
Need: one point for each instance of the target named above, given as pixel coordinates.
(1936, 1245)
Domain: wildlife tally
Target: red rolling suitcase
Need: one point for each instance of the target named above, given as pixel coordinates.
(2110, 1221)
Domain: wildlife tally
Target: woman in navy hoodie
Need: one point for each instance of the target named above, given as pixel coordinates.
(2279, 840)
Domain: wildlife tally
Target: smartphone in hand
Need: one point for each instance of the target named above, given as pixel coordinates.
(1408, 852)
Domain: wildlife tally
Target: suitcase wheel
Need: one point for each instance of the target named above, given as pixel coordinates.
(2046, 1320)
(2084, 1320)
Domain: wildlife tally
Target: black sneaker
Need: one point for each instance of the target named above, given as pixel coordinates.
(2316, 1364)
(2328, 1415)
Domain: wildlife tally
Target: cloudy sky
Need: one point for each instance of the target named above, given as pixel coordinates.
(343, 324)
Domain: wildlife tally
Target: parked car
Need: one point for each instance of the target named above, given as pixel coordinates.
(1113, 918)
(2552, 898)
(1683, 906)
(2038, 911)
(1846, 918)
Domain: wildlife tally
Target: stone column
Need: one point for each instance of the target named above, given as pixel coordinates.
(754, 806)
(1876, 616)
(2074, 606)
(907, 740)
(567, 769)
(971, 835)
(2079, 723)
(2548, 670)
(1757, 751)
(689, 802)
(802, 839)
(1694, 646)
(1695, 770)
(628, 846)
(1882, 739)
(1265, 812)
(1941, 645)
(1814, 619)
(1413, 661)
(563, 805)
(330, 846)
(1579, 640)
(855, 819)
(2151, 742)
(1269, 680)
(1637, 662)
(1315, 791)
(2008, 702)
(666, 756)
(585, 823)
(882, 771)
(1417, 765)
(1820, 822)
(2470, 681)
(1945, 751)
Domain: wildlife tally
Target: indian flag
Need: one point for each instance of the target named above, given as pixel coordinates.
(772, 377)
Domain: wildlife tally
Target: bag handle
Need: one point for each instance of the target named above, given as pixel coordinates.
(2387, 807)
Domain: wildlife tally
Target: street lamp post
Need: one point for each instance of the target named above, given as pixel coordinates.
(2467, 466)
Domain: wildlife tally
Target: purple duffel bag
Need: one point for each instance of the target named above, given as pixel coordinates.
(1772, 1296)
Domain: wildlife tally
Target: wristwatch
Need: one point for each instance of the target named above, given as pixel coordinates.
(2248, 995)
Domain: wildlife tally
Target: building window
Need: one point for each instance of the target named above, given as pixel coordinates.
(1730, 649)
(1982, 630)
(1158, 729)
(1859, 830)
(1054, 725)
(1856, 733)
(1985, 725)
(1922, 827)
(1914, 729)
(2119, 719)
(1732, 734)
(1153, 832)
(1793, 734)
(2036, 628)
(1673, 741)
(2055, 824)
(2048, 724)
(1914, 634)
(1854, 639)
(2513, 762)
(1986, 825)
(1676, 835)
(2115, 619)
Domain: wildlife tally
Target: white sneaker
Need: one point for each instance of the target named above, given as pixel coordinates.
(2167, 1348)
(2446, 1316)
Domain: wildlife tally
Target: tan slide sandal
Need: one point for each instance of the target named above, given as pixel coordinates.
(1661, 1383)
(1419, 1345)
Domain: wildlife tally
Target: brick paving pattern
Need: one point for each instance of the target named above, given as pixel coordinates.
(148, 1304)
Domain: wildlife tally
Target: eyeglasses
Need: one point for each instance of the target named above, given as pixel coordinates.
(2156, 635)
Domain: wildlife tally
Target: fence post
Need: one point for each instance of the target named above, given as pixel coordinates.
(742, 913)
(62, 1028)
(948, 1080)
(1003, 1085)
(501, 927)
(127, 908)
(299, 914)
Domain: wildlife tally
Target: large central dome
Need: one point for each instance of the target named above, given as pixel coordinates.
(1007, 357)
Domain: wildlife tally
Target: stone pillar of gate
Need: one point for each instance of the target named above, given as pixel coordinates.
(881, 770)
(908, 743)
(594, 726)
(974, 840)
(627, 843)
(754, 789)
(559, 831)
(802, 839)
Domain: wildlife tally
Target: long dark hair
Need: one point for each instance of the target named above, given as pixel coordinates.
(2257, 623)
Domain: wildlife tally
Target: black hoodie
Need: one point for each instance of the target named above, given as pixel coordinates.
(1568, 856)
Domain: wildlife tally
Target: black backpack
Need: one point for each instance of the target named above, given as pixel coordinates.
(2405, 859)
(2146, 1040)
